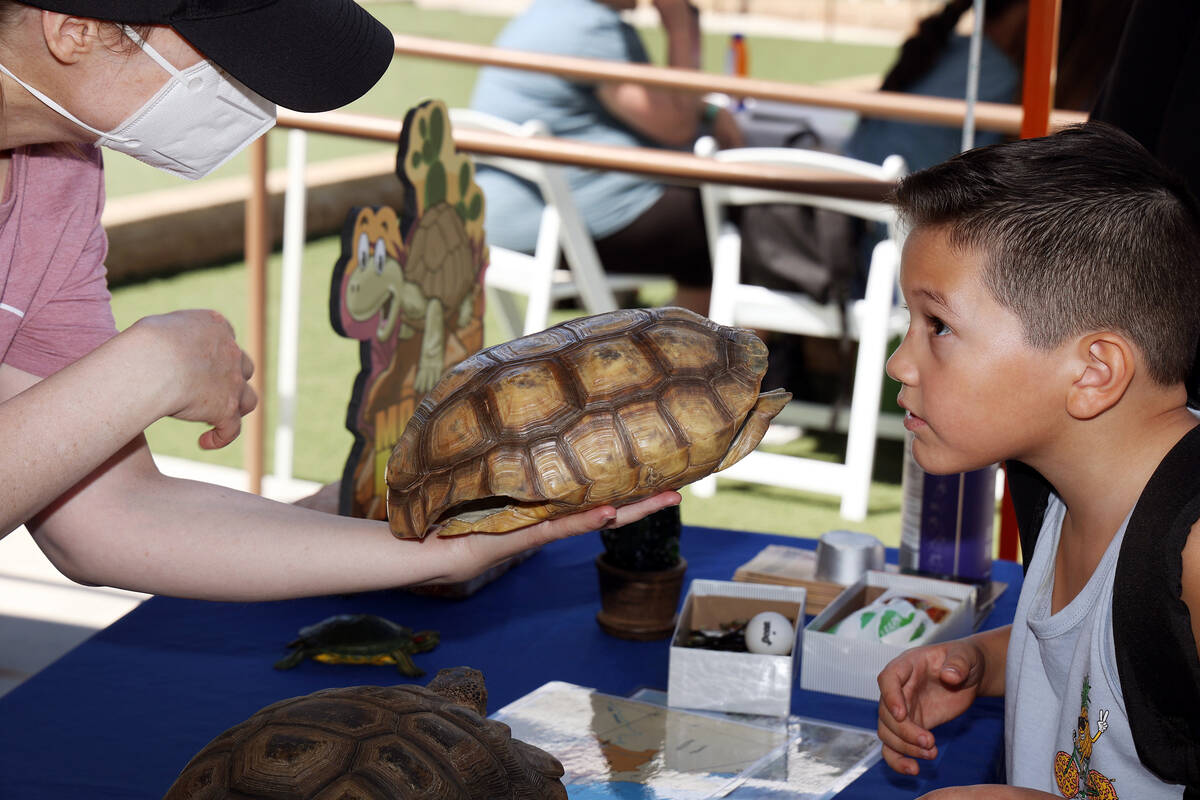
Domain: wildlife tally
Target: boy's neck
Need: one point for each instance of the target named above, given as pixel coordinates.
(1100, 470)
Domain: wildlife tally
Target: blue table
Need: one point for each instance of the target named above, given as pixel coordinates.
(120, 715)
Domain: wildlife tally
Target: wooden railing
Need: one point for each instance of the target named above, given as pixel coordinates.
(667, 165)
(890, 105)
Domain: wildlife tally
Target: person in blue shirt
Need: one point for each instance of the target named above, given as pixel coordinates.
(639, 226)
(933, 61)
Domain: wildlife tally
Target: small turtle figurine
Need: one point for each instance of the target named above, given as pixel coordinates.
(374, 743)
(360, 639)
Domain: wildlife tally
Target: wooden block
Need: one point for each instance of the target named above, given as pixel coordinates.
(791, 566)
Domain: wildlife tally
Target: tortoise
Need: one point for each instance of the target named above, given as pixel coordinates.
(371, 743)
(360, 639)
(610, 408)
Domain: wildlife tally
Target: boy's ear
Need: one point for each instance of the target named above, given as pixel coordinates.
(69, 38)
(1105, 365)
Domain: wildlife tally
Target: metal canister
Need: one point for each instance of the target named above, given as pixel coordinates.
(947, 522)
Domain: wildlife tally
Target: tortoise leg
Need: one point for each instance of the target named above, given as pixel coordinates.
(291, 659)
(405, 665)
(755, 426)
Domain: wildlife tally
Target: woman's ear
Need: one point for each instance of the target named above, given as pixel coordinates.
(1104, 369)
(69, 38)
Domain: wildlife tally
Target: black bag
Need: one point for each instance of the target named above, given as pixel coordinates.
(800, 249)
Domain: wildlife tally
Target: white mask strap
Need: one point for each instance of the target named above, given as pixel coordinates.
(104, 137)
(55, 106)
(150, 51)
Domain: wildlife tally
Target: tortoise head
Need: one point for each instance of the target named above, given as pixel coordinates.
(747, 349)
(462, 685)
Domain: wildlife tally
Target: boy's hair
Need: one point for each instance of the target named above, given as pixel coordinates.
(1080, 231)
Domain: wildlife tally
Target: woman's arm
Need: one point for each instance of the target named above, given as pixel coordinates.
(58, 431)
(131, 527)
(76, 468)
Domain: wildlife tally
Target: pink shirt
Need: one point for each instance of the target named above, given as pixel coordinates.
(54, 300)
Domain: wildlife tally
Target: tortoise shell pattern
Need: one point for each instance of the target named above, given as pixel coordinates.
(369, 743)
(604, 409)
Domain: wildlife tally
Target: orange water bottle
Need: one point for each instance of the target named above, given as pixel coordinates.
(737, 61)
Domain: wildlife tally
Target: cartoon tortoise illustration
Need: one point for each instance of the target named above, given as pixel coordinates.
(413, 286)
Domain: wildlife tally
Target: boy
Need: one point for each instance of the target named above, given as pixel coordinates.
(1054, 288)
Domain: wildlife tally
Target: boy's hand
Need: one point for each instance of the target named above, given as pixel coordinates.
(919, 690)
(208, 372)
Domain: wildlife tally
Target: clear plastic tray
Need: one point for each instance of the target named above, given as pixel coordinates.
(616, 747)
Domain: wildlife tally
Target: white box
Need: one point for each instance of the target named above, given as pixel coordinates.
(746, 683)
(851, 666)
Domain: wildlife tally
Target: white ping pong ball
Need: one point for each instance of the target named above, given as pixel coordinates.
(769, 633)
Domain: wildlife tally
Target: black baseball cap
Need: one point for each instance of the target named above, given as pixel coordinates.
(306, 55)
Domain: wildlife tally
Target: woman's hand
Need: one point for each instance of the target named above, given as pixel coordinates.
(470, 554)
(919, 690)
(211, 372)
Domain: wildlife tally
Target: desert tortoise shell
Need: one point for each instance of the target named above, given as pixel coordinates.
(372, 743)
(604, 409)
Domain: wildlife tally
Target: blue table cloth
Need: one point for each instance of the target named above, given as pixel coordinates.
(121, 714)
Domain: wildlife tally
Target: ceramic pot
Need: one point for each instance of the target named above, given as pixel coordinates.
(639, 605)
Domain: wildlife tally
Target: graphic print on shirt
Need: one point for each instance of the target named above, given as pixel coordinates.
(1070, 767)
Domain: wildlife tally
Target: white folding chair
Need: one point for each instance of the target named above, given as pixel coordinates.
(562, 229)
(871, 321)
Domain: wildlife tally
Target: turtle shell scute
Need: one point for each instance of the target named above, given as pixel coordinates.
(603, 409)
(369, 743)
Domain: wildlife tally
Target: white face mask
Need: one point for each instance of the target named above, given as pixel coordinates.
(196, 122)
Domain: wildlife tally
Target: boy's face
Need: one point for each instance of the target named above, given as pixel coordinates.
(975, 393)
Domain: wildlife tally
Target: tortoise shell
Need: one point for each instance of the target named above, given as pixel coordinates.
(440, 258)
(604, 409)
(372, 743)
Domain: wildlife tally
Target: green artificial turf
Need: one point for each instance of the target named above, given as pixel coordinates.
(329, 363)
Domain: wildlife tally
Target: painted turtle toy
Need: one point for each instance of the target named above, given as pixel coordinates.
(374, 743)
(360, 639)
(605, 409)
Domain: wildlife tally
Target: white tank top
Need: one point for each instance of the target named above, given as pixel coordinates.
(1065, 727)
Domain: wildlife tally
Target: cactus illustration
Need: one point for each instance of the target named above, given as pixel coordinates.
(469, 209)
(432, 134)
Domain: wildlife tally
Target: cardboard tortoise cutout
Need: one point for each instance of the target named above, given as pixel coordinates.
(407, 285)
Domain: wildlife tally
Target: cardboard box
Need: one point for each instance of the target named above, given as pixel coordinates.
(851, 666)
(746, 683)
